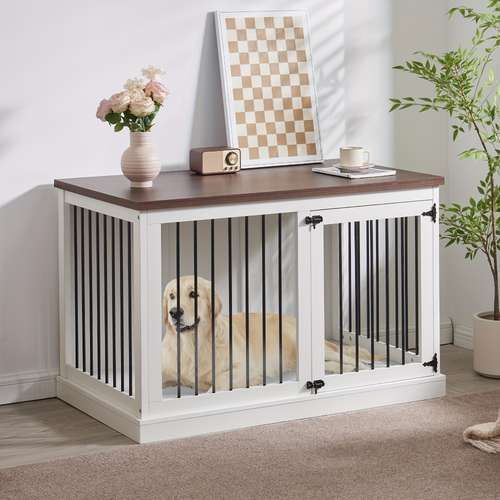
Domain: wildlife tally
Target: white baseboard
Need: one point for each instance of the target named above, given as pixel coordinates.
(27, 386)
(446, 332)
(464, 337)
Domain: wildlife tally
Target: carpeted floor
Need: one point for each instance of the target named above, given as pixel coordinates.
(411, 451)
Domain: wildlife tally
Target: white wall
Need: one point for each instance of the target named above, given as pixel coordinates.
(420, 139)
(60, 58)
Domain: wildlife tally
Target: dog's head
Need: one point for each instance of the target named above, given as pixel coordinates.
(179, 310)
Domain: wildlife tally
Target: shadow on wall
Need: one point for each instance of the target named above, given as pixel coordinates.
(326, 25)
(208, 101)
(29, 281)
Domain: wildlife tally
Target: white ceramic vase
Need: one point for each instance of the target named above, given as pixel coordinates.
(486, 345)
(140, 162)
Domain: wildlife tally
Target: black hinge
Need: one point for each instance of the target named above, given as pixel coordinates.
(314, 220)
(315, 385)
(433, 362)
(432, 213)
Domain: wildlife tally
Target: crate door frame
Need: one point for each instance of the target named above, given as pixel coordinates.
(152, 292)
(428, 293)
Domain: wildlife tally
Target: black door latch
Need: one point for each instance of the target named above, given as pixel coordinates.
(433, 362)
(315, 385)
(432, 213)
(314, 220)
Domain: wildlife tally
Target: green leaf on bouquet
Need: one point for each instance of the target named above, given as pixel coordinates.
(118, 127)
(113, 117)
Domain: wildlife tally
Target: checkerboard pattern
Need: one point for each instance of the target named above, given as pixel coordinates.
(271, 87)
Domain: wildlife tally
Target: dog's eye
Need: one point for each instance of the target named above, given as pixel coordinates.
(172, 296)
(193, 294)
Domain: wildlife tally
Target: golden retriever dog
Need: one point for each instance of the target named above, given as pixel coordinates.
(184, 319)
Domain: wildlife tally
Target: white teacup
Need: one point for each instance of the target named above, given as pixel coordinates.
(354, 157)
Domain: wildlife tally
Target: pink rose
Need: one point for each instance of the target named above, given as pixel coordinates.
(103, 109)
(156, 90)
(120, 101)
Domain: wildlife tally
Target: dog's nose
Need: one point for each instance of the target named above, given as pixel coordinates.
(176, 313)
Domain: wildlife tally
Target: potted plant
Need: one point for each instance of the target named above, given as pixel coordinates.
(135, 108)
(465, 87)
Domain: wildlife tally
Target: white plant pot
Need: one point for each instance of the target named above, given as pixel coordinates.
(140, 162)
(486, 345)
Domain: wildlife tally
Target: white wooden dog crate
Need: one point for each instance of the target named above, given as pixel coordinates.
(325, 296)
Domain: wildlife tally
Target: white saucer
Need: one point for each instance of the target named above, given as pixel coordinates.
(359, 168)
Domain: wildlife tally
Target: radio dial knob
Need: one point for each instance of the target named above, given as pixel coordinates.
(232, 158)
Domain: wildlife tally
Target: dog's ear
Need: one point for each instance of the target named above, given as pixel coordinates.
(218, 305)
(217, 308)
(205, 290)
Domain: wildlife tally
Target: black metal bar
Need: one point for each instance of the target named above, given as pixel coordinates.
(377, 281)
(113, 298)
(417, 288)
(129, 274)
(280, 297)
(341, 305)
(98, 266)
(247, 309)
(230, 298)
(387, 298)
(405, 348)
(349, 273)
(372, 309)
(396, 282)
(402, 250)
(357, 290)
(75, 281)
(212, 295)
(195, 272)
(106, 293)
(367, 274)
(264, 346)
(403, 309)
(91, 299)
(178, 305)
(122, 314)
(82, 262)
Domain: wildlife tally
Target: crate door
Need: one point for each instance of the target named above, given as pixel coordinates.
(232, 313)
(373, 294)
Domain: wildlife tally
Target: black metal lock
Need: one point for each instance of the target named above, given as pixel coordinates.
(315, 385)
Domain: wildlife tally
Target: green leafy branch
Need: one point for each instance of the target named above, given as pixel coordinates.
(134, 123)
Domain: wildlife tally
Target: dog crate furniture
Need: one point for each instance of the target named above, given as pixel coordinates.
(317, 295)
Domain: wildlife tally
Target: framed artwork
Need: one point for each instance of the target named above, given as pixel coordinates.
(268, 87)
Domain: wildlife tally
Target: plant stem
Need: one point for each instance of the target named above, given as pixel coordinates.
(493, 248)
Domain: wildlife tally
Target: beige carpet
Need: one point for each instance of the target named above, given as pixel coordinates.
(411, 451)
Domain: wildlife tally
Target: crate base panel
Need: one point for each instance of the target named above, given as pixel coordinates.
(100, 388)
(156, 428)
(114, 417)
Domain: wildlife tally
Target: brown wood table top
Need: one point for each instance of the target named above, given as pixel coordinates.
(186, 189)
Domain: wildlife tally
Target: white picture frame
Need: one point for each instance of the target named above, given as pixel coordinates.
(268, 87)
